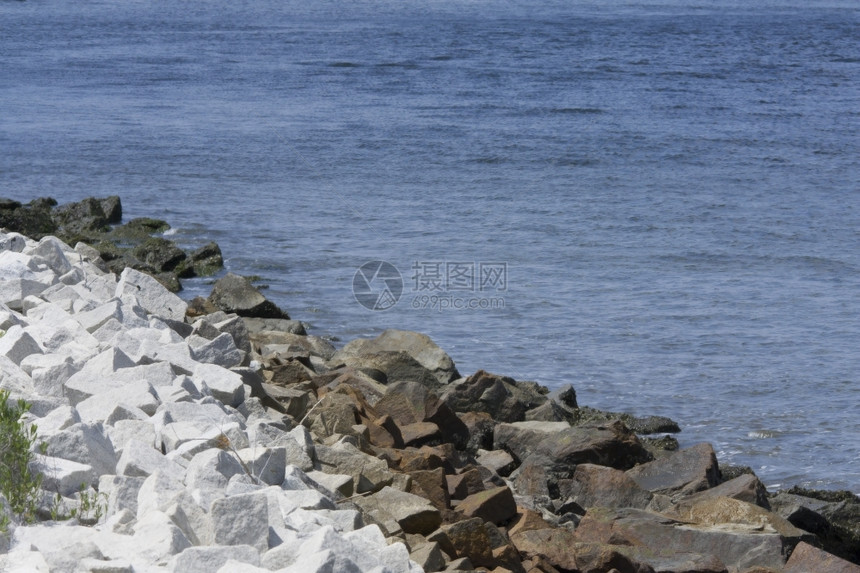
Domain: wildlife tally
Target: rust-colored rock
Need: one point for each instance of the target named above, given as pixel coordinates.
(461, 486)
(808, 559)
(433, 485)
(495, 505)
(593, 485)
(564, 552)
(470, 539)
(421, 434)
(526, 520)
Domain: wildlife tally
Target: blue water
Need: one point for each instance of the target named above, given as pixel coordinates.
(674, 187)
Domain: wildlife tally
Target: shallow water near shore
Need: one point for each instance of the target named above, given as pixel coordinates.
(671, 187)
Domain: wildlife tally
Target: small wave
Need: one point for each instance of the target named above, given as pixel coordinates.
(344, 65)
(170, 232)
(763, 434)
(577, 110)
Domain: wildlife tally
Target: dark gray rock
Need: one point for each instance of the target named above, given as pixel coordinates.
(499, 396)
(236, 294)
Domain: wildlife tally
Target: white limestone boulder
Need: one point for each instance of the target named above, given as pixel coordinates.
(17, 344)
(209, 559)
(242, 520)
(225, 385)
(85, 444)
(63, 476)
(151, 294)
(142, 460)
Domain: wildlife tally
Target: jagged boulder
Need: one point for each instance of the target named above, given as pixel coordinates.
(402, 355)
(236, 294)
(500, 396)
(684, 472)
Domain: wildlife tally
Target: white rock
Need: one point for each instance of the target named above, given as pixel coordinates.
(62, 476)
(123, 431)
(177, 354)
(210, 472)
(56, 420)
(58, 332)
(49, 372)
(138, 394)
(221, 350)
(191, 519)
(242, 519)
(336, 483)
(15, 242)
(225, 385)
(73, 277)
(158, 492)
(140, 459)
(85, 444)
(209, 559)
(107, 332)
(94, 319)
(233, 566)
(15, 380)
(53, 251)
(157, 538)
(152, 295)
(175, 434)
(207, 412)
(24, 561)
(125, 412)
(266, 464)
(62, 546)
(115, 389)
(121, 492)
(17, 344)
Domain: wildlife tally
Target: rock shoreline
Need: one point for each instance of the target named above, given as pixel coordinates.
(220, 436)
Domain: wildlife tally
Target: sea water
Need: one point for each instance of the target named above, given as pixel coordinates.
(656, 202)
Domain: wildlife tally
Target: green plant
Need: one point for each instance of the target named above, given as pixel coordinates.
(91, 507)
(18, 484)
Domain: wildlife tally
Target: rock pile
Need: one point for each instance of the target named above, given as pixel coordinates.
(227, 439)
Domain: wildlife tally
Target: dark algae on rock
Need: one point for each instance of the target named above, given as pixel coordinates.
(97, 222)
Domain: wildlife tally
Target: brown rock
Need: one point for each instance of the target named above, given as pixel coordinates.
(527, 520)
(421, 434)
(470, 539)
(495, 505)
(424, 356)
(561, 549)
(684, 472)
(745, 487)
(508, 558)
(737, 546)
(461, 486)
(384, 433)
(290, 372)
(499, 461)
(561, 448)
(593, 485)
(433, 485)
(411, 402)
(499, 396)
(480, 426)
(808, 559)
(333, 414)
